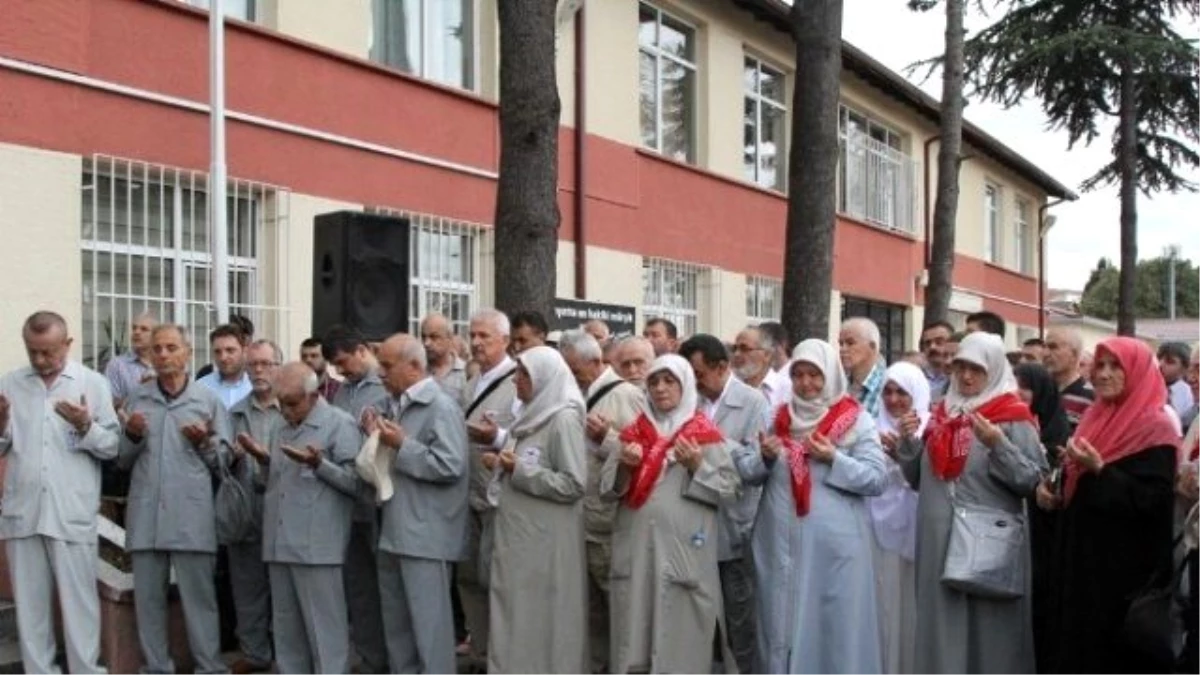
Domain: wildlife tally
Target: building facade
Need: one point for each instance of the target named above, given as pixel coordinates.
(672, 198)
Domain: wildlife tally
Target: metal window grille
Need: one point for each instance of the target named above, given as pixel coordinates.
(764, 156)
(145, 244)
(667, 82)
(876, 179)
(891, 320)
(444, 267)
(671, 290)
(764, 299)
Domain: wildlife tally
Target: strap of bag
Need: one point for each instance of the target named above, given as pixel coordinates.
(600, 394)
(488, 391)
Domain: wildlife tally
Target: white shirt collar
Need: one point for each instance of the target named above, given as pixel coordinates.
(486, 378)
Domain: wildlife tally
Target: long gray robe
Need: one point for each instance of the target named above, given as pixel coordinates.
(538, 589)
(959, 633)
(817, 611)
(665, 590)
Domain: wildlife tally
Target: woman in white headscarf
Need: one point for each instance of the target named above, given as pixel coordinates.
(904, 412)
(673, 471)
(982, 440)
(538, 597)
(812, 539)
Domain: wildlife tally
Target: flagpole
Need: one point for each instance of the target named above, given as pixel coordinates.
(216, 192)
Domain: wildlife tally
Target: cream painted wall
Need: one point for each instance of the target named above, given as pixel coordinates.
(565, 272)
(39, 198)
(615, 277)
(344, 26)
(612, 78)
(299, 250)
(729, 315)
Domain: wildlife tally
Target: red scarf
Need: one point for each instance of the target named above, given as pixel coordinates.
(834, 424)
(948, 439)
(698, 429)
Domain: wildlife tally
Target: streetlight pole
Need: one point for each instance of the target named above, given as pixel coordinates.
(216, 179)
(1172, 255)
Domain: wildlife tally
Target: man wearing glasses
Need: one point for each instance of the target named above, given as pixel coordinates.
(753, 351)
(934, 345)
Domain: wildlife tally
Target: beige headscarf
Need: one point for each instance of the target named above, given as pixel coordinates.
(986, 351)
(806, 414)
(554, 389)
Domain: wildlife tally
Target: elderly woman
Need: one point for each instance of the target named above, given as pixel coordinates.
(811, 542)
(981, 449)
(1116, 518)
(673, 471)
(538, 584)
(906, 395)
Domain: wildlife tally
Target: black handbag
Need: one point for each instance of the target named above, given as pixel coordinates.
(1151, 623)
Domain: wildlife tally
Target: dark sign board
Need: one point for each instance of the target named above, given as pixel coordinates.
(570, 314)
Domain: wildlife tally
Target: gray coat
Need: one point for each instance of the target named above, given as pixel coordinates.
(261, 425)
(354, 398)
(500, 403)
(741, 416)
(427, 515)
(171, 491)
(307, 511)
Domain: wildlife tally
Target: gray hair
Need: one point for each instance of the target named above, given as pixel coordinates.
(581, 344)
(1068, 336)
(498, 319)
(177, 328)
(765, 340)
(276, 352)
(865, 329)
(414, 352)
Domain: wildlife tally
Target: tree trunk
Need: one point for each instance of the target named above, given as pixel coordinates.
(527, 215)
(945, 212)
(1127, 167)
(812, 180)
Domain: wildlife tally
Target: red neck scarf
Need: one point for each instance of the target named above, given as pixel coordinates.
(1136, 421)
(654, 451)
(948, 439)
(834, 424)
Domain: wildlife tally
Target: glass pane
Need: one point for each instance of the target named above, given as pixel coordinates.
(128, 212)
(443, 257)
(771, 152)
(396, 34)
(675, 38)
(678, 92)
(647, 26)
(238, 9)
(648, 86)
(771, 84)
(450, 34)
(750, 75)
(750, 139)
(751, 305)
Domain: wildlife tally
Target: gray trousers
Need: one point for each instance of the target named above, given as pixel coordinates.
(309, 614)
(362, 597)
(599, 565)
(737, 590)
(38, 565)
(198, 595)
(474, 576)
(417, 617)
(251, 600)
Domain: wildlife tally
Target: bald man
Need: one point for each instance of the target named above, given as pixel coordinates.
(1063, 348)
(633, 359)
(447, 369)
(311, 489)
(599, 330)
(425, 522)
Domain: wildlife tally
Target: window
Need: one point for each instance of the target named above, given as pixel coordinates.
(433, 39)
(764, 299)
(991, 223)
(671, 290)
(765, 151)
(1025, 238)
(145, 241)
(667, 80)
(876, 181)
(444, 265)
(889, 318)
(235, 9)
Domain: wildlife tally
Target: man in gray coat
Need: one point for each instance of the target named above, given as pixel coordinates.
(256, 416)
(56, 424)
(425, 521)
(348, 351)
(176, 434)
(741, 414)
(311, 490)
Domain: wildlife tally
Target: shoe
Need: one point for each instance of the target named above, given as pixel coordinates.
(464, 647)
(243, 666)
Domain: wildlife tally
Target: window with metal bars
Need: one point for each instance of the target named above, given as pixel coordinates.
(671, 290)
(891, 320)
(764, 299)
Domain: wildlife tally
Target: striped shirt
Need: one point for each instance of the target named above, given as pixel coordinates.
(125, 373)
(1076, 399)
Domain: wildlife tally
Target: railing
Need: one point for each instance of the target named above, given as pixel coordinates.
(876, 183)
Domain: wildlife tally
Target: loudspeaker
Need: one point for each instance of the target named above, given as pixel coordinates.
(360, 273)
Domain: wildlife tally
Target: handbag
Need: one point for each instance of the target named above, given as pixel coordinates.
(1151, 622)
(234, 511)
(986, 553)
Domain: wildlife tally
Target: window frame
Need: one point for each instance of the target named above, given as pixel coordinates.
(893, 335)
(470, 61)
(1023, 236)
(658, 54)
(887, 177)
(759, 100)
(992, 212)
(755, 285)
(685, 318)
(251, 9)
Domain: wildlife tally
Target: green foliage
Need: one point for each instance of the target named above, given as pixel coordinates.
(1151, 296)
(114, 345)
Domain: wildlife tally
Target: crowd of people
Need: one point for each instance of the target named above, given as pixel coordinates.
(579, 502)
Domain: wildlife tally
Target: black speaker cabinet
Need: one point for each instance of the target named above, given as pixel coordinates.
(360, 273)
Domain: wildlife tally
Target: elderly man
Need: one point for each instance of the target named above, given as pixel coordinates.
(449, 371)
(1063, 346)
(126, 372)
(176, 435)
(612, 405)
(57, 423)
(492, 394)
(348, 351)
(858, 346)
(753, 350)
(425, 521)
(741, 414)
(310, 494)
(312, 353)
(598, 330)
(255, 416)
(633, 358)
(937, 367)
(229, 380)
(662, 334)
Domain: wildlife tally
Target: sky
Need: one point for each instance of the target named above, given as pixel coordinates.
(1087, 229)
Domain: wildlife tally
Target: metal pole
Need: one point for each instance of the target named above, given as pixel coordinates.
(216, 182)
(1172, 253)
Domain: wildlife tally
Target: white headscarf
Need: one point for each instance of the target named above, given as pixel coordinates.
(667, 423)
(986, 351)
(914, 383)
(554, 389)
(806, 414)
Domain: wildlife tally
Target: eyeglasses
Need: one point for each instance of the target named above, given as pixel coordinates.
(262, 364)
